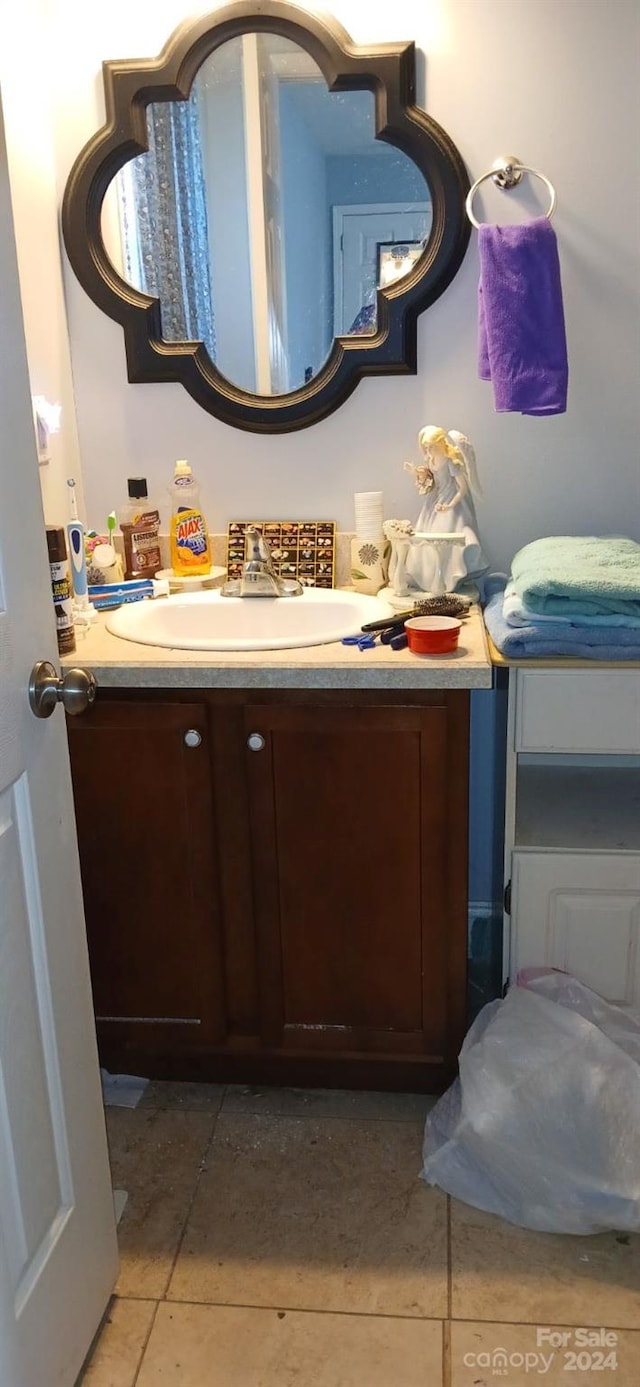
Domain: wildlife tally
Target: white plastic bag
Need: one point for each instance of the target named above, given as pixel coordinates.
(543, 1125)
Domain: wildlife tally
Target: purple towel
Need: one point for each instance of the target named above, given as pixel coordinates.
(522, 347)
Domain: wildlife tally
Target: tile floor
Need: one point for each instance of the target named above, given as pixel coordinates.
(281, 1238)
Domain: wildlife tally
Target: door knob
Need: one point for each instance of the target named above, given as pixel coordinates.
(76, 691)
(192, 737)
(255, 741)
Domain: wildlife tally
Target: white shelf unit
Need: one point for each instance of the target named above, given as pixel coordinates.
(572, 826)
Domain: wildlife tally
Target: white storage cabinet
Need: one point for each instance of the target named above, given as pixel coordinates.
(572, 831)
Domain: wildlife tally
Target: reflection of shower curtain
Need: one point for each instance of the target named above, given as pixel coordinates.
(171, 257)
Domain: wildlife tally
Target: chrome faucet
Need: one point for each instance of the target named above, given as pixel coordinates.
(258, 577)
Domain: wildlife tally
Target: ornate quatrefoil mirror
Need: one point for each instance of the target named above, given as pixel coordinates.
(266, 212)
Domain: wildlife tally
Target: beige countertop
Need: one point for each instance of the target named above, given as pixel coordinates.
(119, 663)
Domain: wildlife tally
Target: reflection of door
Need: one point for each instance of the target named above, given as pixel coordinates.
(58, 1257)
(265, 220)
(273, 220)
(357, 233)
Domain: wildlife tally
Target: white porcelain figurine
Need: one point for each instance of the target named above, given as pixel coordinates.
(442, 552)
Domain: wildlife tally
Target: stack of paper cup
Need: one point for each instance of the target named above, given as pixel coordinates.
(367, 546)
(369, 514)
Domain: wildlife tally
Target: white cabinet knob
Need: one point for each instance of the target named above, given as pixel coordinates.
(255, 741)
(192, 737)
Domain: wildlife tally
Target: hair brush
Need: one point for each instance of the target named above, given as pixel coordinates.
(449, 604)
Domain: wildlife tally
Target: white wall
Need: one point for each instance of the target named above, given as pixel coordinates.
(553, 81)
(30, 149)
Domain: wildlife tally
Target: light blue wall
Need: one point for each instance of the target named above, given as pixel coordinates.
(307, 245)
(385, 177)
(486, 795)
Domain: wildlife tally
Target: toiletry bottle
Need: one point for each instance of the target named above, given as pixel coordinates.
(61, 589)
(140, 525)
(190, 549)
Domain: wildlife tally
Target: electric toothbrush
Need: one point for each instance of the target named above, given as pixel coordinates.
(75, 534)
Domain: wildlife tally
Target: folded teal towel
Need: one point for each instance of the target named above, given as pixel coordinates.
(550, 639)
(579, 575)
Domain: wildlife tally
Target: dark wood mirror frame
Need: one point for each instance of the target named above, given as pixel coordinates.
(386, 70)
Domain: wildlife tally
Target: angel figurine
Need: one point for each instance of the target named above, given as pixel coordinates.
(448, 480)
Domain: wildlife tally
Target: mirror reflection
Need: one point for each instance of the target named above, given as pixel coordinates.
(265, 214)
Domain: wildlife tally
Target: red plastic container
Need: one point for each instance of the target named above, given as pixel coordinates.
(432, 635)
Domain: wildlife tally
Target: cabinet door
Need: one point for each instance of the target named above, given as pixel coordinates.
(145, 832)
(579, 912)
(578, 710)
(359, 842)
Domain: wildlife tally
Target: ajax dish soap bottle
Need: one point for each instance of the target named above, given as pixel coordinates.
(190, 550)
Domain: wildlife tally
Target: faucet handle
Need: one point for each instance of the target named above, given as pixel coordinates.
(256, 549)
(259, 577)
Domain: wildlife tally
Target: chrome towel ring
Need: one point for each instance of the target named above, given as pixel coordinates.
(506, 173)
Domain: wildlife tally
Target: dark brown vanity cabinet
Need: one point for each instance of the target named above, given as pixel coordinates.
(275, 883)
(144, 813)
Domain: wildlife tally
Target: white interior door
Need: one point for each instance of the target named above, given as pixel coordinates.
(358, 231)
(58, 1256)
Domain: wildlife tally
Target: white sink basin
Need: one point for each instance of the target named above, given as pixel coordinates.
(207, 621)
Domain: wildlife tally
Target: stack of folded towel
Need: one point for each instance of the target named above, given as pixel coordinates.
(570, 595)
